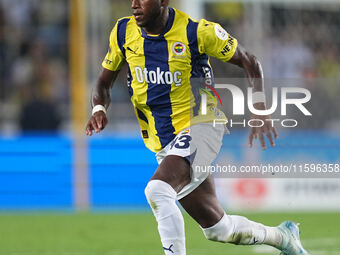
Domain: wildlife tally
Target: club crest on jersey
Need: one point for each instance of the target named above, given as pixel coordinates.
(178, 48)
(221, 33)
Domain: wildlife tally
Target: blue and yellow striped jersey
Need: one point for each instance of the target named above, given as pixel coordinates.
(163, 72)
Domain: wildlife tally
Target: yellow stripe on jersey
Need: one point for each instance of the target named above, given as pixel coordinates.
(135, 56)
(179, 59)
(164, 71)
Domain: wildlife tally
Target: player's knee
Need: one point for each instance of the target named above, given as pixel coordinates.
(159, 191)
(221, 231)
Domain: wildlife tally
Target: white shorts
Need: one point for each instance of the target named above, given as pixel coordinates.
(200, 145)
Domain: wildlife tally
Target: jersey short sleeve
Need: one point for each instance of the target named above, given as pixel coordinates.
(114, 58)
(214, 41)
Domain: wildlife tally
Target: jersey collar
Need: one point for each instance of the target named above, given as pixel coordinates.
(167, 28)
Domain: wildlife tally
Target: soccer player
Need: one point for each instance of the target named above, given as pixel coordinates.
(167, 55)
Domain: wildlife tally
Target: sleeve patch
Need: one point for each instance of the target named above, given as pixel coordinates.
(221, 33)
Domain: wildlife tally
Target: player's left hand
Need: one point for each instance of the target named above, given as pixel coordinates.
(259, 131)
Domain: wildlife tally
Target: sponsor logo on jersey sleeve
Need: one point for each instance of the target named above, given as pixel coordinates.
(108, 62)
(227, 48)
(221, 33)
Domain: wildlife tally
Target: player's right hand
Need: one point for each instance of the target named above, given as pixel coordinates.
(259, 131)
(97, 123)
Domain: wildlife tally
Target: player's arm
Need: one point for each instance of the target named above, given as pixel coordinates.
(216, 42)
(252, 68)
(100, 101)
(254, 74)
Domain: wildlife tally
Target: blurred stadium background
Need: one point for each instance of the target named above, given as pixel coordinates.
(50, 57)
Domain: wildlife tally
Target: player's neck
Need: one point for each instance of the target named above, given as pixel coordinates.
(159, 24)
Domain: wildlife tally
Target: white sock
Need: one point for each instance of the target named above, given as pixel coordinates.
(247, 232)
(162, 199)
(273, 237)
(241, 231)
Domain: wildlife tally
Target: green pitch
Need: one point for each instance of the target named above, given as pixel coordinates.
(136, 234)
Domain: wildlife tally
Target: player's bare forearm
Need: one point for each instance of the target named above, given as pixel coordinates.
(254, 74)
(101, 96)
(102, 90)
(252, 67)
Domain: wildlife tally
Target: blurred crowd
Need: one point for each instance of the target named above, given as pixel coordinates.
(33, 65)
(300, 43)
(300, 48)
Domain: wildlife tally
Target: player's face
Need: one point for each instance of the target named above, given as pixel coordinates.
(146, 12)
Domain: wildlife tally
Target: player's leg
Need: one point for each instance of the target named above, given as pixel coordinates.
(170, 177)
(203, 206)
